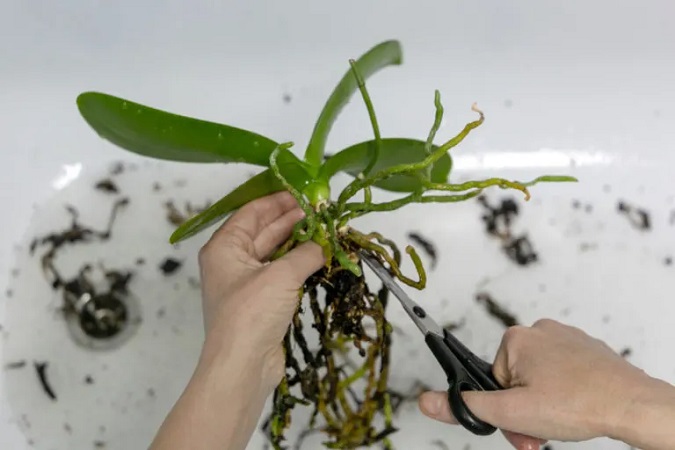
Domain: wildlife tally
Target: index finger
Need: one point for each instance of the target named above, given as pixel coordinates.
(253, 217)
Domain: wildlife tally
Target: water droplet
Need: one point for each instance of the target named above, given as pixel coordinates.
(138, 111)
(256, 144)
(220, 135)
(124, 105)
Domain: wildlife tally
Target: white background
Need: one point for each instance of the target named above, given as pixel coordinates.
(559, 81)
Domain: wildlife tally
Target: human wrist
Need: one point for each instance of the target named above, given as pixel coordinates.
(647, 415)
(232, 356)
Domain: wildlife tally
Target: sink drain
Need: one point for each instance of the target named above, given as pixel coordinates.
(101, 315)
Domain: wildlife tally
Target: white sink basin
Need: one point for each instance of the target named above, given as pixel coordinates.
(566, 88)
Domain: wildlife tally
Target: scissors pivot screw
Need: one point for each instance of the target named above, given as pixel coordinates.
(419, 312)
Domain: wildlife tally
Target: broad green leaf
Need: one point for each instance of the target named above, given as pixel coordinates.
(393, 151)
(264, 183)
(162, 135)
(382, 55)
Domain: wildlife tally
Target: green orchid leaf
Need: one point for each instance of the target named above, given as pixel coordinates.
(262, 184)
(162, 135)
(393, 151)
(382, 55)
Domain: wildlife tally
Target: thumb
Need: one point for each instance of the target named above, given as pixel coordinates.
(298, 264)
(500, 409)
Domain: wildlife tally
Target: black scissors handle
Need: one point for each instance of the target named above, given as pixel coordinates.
(465, 372)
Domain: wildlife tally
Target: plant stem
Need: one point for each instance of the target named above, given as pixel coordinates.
(501, 182)
(450, 198)
(371, 114)
(361, 209)
(360, 240)
(358, 184)
(309, 221)
(438, 118)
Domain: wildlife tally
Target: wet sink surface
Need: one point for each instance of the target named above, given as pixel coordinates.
(594, 102)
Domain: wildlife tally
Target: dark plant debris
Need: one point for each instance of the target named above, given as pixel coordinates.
(495, 310)
(41, 369)
(454, 326)
(16, 365)
(76, 233)
(498, 221)
(170, 265)
(317, 377)
(668, 261)
(440, 444)
(177, 217)
(108, 186)
(194, 282)
(626, 352)
(520, 250)
(638, 217)
(426, 245)
(117, 168)
(140, 261)
(287, 98)
(104, 314)
(89, 379)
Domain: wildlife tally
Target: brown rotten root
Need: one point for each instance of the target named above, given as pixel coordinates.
(345, 379)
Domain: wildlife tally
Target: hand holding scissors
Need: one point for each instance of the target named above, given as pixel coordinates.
(465, 370)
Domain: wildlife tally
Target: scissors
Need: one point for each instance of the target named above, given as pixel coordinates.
(465, 370)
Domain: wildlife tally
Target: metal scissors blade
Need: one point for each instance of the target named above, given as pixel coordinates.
(418, 315)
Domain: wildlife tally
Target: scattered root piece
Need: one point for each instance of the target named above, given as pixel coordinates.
(41, 369)
(454, 326)
(520, 251)
(440, 444)
(426, 245)
(16, 365)
(77, 233)
(108, 186)
(498, 221)
(176, 217)
(170, 265)
(495, 310)
(117, 168)
(638, 217)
